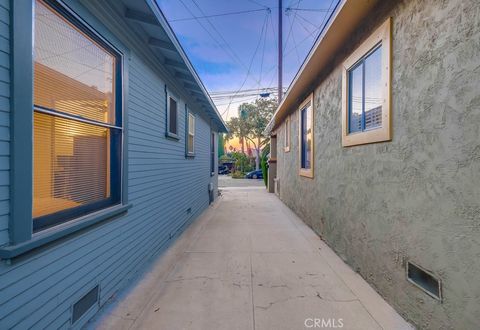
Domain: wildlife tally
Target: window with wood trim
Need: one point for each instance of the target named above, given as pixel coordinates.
(366, 90)
(305, 129)
(77, 120)
(287, 134)
(172, 116)
(191, 134)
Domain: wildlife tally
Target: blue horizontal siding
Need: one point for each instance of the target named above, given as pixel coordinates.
(162, 184)
(4, 119)
(5, 4)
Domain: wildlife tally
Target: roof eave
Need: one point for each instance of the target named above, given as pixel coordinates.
(222, 127)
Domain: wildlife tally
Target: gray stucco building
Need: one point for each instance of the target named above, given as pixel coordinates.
(378, 150)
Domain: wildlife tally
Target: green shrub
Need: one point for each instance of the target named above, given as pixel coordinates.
(238, 175)
(264, 166)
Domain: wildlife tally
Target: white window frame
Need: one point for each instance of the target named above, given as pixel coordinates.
(190, 132)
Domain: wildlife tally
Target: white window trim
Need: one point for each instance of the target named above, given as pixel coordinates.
(191, 133)
(308, 173)
(380, 35)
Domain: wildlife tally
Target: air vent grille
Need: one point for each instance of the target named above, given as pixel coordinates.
(84, 304)
(424, 280)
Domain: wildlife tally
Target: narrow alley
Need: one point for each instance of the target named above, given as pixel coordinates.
(249, 263)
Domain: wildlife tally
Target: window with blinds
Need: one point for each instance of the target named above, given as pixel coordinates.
(77, 127)
(191, 134)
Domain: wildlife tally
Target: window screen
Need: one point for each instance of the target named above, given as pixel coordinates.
(365, 93)
(77, 133)
(172, 121)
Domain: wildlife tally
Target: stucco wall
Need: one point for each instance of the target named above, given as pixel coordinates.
(417, 197)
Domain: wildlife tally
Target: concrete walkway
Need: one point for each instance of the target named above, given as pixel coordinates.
(249, 263)
(225, 181)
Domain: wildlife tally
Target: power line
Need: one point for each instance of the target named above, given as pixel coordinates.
(216, 93)
(217, 15)
(227, 49)
(251, 61)
(258, 4)
(320, 28)
(223, 39)
(290, 32)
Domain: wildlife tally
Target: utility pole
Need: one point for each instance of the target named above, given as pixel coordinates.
(280, 51)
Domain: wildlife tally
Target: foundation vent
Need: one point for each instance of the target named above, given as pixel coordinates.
(84, 304)
(424, 280)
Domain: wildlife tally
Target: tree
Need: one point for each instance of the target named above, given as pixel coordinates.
(251, 123)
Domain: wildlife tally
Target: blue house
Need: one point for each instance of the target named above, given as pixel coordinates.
(107, 152)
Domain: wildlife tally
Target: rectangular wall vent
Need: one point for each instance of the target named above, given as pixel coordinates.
(84, 304)
(424, 280)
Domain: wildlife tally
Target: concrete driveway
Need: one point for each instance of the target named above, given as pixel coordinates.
(249, 263)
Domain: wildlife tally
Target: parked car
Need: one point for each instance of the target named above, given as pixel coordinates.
(257, 174)
(222, 169)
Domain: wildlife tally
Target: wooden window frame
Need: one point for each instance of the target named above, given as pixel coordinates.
(308, 173)
(288, 134)
(382, 35)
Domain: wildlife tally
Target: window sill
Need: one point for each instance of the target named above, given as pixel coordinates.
(306, 173)
(55, 233)
(190, 155)
(172, 136)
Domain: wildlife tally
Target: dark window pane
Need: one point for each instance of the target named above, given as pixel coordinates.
(373, 89)
(308, 147)
(306, 137)
(172, 128)
(355, 99)
(73, 74)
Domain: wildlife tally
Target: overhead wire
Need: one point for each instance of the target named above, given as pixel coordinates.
(290, 31)
(216, 15)
(221, 36)
(258, 3)
(226, 48)
(251, 61)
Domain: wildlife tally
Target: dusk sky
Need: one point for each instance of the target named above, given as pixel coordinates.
(224, 48)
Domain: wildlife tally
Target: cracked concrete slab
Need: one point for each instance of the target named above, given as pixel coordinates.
(248, 263)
